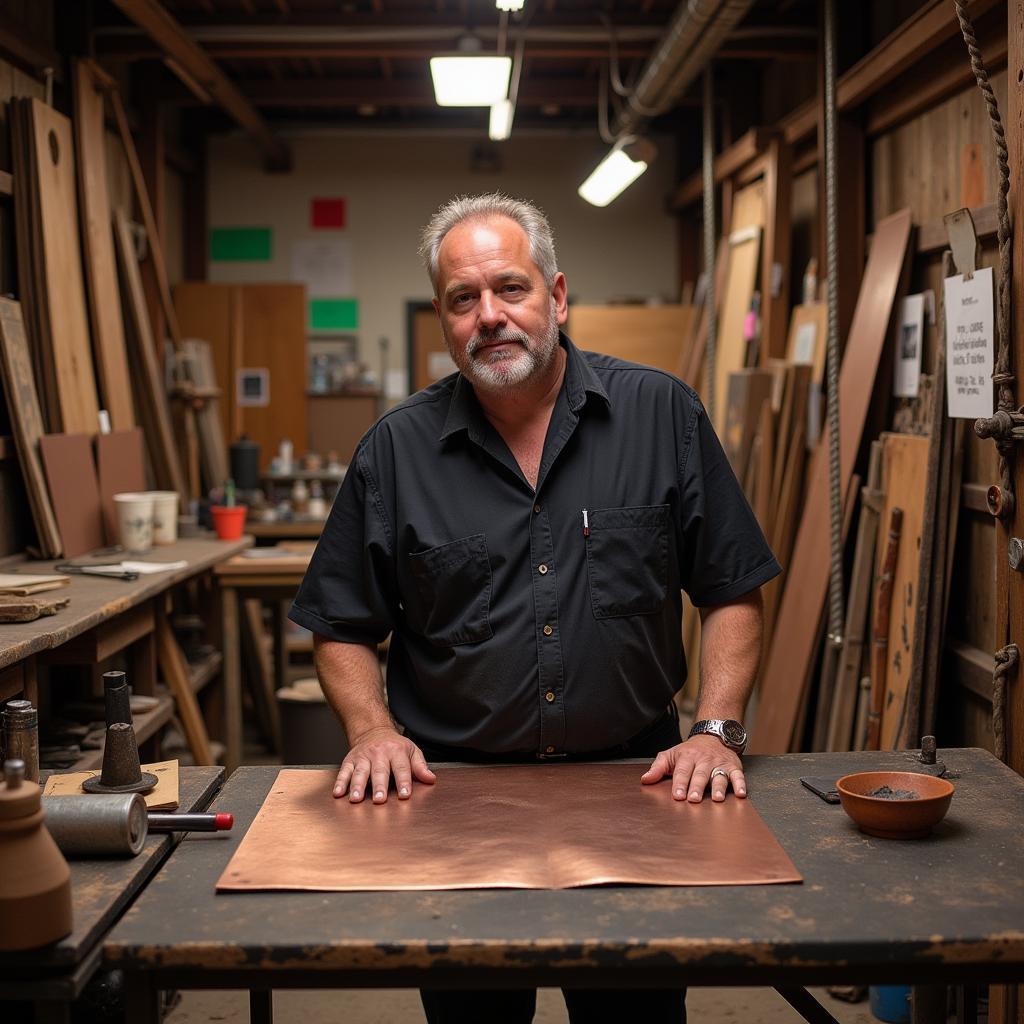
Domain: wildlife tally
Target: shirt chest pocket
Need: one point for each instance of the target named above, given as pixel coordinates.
(627, 560)
(450, 602)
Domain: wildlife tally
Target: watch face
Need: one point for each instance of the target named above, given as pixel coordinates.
(734, 733)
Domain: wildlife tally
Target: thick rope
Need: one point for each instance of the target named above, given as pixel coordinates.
(710, 345)
(1007, 657)
(836, 616)
(1002, 376)
(1006, 662)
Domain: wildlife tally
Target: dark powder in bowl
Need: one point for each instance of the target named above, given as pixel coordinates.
(888, 793)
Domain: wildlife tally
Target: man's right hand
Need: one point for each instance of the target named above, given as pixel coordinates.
(375, 756)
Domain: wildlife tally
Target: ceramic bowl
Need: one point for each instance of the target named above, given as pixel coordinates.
(903, 818)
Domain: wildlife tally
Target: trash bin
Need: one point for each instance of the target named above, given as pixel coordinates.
(890, 1003)
(310, 734)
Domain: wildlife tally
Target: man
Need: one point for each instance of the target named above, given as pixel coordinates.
(523, 530)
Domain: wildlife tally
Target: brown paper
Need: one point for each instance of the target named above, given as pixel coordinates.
(526, 827)
(162, 797)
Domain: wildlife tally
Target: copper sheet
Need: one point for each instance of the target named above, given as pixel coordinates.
(523, 827)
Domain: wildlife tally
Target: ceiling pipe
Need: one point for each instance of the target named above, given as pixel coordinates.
(697, 30)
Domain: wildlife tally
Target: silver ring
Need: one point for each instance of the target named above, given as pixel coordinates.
(719, 771)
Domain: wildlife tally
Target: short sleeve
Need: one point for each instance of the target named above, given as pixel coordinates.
(348, 592)
(723, 553)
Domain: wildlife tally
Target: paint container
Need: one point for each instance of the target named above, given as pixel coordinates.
(134, 521)
(165, 516)
(890, 1003)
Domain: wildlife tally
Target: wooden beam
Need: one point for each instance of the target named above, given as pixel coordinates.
(31, 54)
(395, 92)
(914, 40)
(970, 668)
(727, 163)
(932, 237)
(150, 16)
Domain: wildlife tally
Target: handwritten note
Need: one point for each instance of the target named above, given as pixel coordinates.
(970, 334)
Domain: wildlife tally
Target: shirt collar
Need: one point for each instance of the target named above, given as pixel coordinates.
(464, 412)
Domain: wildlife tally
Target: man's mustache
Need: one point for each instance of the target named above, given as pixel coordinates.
(504, 335)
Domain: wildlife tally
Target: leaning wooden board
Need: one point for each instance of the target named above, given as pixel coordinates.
(744, 259)
(157, 417)
(26, 423)
(98, 248)
(794, 643)
(64, 296)
(904, 478)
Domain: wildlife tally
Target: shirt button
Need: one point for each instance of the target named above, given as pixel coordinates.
(549, 750)
(542, 568)
(549, 696)
(536, 509)
(548, 631)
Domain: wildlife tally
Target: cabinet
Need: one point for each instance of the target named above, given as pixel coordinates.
(253, 327)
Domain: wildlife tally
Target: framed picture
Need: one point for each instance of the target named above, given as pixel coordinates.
(253, 386)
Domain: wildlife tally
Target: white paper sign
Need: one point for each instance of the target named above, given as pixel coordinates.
(324, 266)
(909, 339)
(803, 346)
(970, 331)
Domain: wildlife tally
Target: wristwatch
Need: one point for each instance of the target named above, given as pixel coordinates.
(728, 730)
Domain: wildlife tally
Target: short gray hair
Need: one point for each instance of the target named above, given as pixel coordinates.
(491, 204)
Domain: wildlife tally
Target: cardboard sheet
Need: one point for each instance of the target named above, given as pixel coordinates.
(162, 797)
(520, 827)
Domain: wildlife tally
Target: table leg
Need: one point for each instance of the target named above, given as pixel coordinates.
(279, 609)
(928, 1004)
(232, 671)
(806, 1005)
(141, 999)
(261, 1006)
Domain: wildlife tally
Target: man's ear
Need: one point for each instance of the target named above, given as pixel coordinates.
(560, 296)
(436, 303)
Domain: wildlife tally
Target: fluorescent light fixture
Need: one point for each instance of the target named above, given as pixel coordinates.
(500, 126)
(614, 173)
(470, 81)
(509, 6)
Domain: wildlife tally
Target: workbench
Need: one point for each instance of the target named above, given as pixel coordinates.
(942, 911)
(55, 975)
(274, 579)
(105, 616)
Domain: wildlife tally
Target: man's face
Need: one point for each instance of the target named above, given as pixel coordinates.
(500, 320)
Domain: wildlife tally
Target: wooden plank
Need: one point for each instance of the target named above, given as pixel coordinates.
(932, 237)
(203, 310)
(808, 338)
(156, 252)
(98, 249)
(120, 467)
(748, 390)
(175, 672)
(793, 645)
(889, 553)
(744, 258)
(692, 370)
(26, 423)
(64, 295)
(778, 188)
(213, 453)
(74, 491)
(657, 336)
(971, 668)
(157, 419)
(843, 711)
(904, 483)
(106, 640)
(727, 163)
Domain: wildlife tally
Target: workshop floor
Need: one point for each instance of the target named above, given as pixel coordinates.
(378, 1006)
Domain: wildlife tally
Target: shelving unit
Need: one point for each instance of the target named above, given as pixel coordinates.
(146, 725)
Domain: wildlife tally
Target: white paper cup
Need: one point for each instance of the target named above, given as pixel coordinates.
(165, 516)
(134, 521)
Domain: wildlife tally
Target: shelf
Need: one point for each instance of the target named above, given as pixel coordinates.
(145, 726)
(202, 672)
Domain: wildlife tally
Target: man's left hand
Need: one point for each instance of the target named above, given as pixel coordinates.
(695, 764)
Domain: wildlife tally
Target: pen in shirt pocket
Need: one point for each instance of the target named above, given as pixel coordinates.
(586, 524)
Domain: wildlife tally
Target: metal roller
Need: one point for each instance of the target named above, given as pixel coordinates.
(99, 825)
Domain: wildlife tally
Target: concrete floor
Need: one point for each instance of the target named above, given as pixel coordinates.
(391, 1006)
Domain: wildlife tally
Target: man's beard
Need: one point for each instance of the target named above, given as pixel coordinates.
(509, 368)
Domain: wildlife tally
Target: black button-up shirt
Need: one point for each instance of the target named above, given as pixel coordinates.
(545, 621)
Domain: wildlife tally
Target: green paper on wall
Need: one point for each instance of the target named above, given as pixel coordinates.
(333, 314)
(240, 244)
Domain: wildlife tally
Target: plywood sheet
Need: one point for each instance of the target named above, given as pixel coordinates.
(904, 476)
(520, 827)
(98, 248)
(657, 336)
(795, 639)
(744, 259)
(74, 491)
(54, 155)
(26, 423)
(120, 467)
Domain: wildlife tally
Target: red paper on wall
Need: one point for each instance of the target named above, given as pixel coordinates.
(327, 213)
